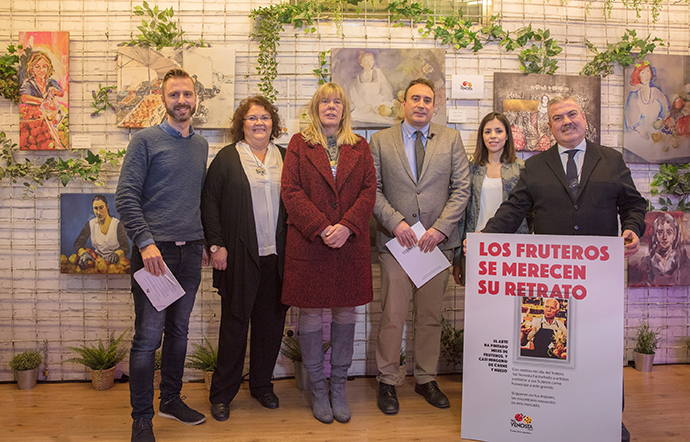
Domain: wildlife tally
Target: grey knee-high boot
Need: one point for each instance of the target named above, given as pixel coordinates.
(342, 347)
(312, 360)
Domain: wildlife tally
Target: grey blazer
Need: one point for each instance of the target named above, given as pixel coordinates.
(440, 197)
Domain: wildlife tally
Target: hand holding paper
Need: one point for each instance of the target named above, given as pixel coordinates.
(419, 266)
(161, 290)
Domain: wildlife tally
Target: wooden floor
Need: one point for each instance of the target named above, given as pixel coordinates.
(657, 409)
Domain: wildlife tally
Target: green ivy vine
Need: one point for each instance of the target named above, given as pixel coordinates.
(9, 73)
(538, 59)
(322, 72)
(33, 174)
(267, 32)
(672, 179)
(625, 52)
(160, 32)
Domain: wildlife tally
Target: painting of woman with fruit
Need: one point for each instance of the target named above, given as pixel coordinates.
(109, 247)
(657, 110)
(43, 93)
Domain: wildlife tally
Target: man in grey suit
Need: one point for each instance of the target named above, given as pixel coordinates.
(575, 188)
(422, 176)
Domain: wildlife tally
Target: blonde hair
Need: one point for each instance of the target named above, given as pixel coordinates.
(314, 132)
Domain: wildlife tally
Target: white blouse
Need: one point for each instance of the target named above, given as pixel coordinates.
(264, 181)
(491, 198)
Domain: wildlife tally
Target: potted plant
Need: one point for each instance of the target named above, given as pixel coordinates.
(452, 341)
(157, 372)
(102, 360)
(293, 352)
(647, 343)
(25, 367)
(204, 358)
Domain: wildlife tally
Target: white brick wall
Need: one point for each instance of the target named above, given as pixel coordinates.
(38, 303)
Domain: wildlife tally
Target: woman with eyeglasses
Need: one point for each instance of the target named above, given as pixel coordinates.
(244, 225)
(329, 189)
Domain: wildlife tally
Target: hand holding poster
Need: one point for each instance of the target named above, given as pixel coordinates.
(543, 338)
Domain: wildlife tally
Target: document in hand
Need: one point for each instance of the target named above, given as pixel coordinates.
(420, 267)
(161, 290)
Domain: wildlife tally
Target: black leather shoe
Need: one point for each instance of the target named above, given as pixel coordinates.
(432, 394)
(220, 412)
(268, 400)
(387, 399)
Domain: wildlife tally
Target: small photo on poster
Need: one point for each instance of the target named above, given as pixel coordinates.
(543, 329)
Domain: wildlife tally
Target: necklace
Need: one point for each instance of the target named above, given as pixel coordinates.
(259, 165)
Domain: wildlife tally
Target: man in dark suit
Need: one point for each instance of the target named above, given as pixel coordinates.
(422, 175)
(575, 188)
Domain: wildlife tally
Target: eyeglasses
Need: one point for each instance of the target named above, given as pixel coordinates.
(254, 118)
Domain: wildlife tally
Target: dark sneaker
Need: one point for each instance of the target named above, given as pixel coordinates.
(175, 408)
(142, 430)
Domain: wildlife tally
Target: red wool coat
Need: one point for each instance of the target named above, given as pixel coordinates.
(318, 276)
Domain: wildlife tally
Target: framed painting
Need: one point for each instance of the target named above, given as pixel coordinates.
(523, 98)
(92, 238)
(657, 110)
(663, 256)
(44, 91)
(140, 73)
(375, 82)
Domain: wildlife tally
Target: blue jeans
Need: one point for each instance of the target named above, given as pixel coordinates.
(150, 325)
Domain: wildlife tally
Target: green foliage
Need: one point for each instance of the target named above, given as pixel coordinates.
(538, 58)
(101, 101)
(647, 339)
(403, 356)
(102, 357)
(452, 341)
(35, 175)
(267, 32)
(9, 73)
(625, 53)
(292, 350)
(672, 179)
(401, 10)
(204, 357)
(322, 71)
(160, 32)
(27, 360)
(453, 30)
(635, 5)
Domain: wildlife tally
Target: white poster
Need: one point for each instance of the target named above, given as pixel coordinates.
(543, 356)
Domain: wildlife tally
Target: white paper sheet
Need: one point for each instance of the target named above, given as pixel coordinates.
(420, 267)
(161, 290)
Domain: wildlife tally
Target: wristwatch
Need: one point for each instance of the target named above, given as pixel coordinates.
(214, 248)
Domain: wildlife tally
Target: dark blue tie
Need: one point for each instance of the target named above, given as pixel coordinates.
(571, 172)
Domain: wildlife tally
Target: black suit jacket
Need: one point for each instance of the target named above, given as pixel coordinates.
(228, 218)
(605, 193)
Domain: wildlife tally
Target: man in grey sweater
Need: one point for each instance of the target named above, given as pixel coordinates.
(158, 198)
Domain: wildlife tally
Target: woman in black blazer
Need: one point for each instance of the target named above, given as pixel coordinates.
(244, 225)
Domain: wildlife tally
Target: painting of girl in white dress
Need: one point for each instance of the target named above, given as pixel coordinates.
(375, 81)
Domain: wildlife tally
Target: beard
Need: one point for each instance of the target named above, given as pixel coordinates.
(173, 112)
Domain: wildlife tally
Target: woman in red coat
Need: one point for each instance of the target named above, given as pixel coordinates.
(329, 189)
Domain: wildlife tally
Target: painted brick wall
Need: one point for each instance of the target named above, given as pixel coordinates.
(40, 308)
